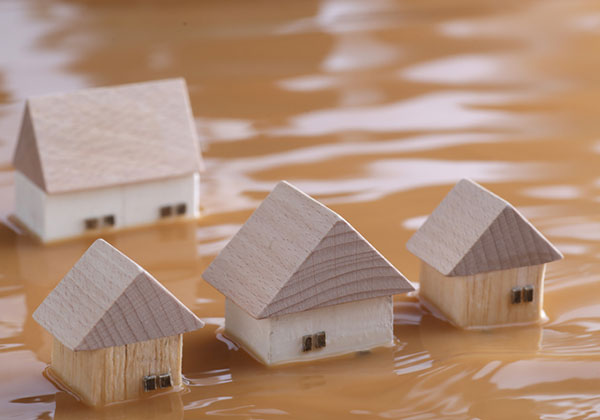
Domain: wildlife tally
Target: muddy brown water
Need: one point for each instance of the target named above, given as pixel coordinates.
(376, 108)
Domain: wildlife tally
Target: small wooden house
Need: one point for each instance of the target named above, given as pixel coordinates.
(107, 158)
(483, 263)
(300, 283)
(117, 331)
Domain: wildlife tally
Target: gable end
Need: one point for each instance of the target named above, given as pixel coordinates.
(27, 157)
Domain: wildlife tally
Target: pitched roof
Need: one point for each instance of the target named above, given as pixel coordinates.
(294, 254)
(474, 231)
(108, 136)
(108, 300)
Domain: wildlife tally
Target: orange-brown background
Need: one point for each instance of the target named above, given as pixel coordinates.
(374, 107)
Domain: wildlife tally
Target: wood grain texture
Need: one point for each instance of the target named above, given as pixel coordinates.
(108, 136)
(294, 254)
(108, 300)
(343, 267)
(474, 231)
(483, 299)
(114, 374)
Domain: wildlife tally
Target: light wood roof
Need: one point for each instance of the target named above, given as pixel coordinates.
(294, 254)
(108, 136)
(108, 300)
(474, 231)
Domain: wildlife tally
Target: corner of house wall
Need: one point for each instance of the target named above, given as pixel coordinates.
(196, 198)
(269, 355)
(30, 203)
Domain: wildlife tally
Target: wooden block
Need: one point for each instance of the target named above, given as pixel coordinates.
(294, 254)
(113, 325)
(485, 299)
(106, 157)
(86, 139)
(108, 300)
(302, 284)
(314, 334)
(55, 216)
(474, 231)
(115, 374)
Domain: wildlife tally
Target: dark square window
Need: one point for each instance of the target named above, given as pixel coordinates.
(164, 380)
(149, 383)
(307, 343)
(180, 209)
(528, 293)
(91, 223)
(166, 211)
(109, 220)
(515, 295)
(320, 340)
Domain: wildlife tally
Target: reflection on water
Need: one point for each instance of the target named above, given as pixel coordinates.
(376, 108)
(166, 406)
(454, 110)
(464, 69)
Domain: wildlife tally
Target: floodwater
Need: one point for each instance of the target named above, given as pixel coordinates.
(374, 107)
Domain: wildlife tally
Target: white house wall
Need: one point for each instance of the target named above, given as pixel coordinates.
(30, 202)
(349, 327)
(251, 333)
(63, 215)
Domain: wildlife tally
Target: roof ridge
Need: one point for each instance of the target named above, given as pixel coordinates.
(282, 230)
(93, 325)
(160, 324)
(102, 87)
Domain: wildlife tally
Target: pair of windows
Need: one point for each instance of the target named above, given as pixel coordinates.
(521, 294)
(100, 222)
(153, 382)
(314, 341)
(174, 210)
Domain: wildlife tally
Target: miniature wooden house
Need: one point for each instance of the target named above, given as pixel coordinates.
(300, 283)
(483, 263)
(107, 158)
(117, 331)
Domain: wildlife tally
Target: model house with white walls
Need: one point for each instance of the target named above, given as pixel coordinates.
(301, 283)
(107, 158)
(482, 262)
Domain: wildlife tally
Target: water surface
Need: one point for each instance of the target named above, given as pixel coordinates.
(376, 108)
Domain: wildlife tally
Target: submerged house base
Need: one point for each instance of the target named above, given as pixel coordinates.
(496, 298)
(56, 216)
(313, 334)
(119, 373)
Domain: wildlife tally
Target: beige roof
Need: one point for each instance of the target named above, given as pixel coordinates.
(294, 254)
(108, 136)
(108, 300)
(474, 231)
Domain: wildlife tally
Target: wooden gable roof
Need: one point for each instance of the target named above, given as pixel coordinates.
(294, 254)
(108, 300)
(474, 231)
(108, 136)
